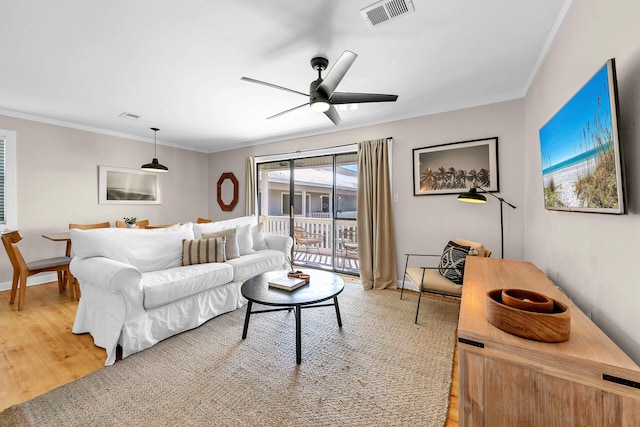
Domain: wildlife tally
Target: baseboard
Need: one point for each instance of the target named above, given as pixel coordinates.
(33, 280)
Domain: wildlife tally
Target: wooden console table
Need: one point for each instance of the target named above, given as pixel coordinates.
(505, 380)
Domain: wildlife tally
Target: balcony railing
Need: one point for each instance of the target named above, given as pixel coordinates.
(321, 254)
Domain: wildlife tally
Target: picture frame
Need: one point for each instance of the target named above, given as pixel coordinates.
(452, 168)
(581, 152)
(122, 186)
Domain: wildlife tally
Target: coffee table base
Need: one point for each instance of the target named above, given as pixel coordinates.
(297, 308)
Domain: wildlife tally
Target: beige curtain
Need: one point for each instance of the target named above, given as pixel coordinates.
(376, 240)
(250, 187)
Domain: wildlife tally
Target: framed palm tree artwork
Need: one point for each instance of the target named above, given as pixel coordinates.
(452, 168)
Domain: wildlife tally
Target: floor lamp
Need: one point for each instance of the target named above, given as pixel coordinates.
(472, 196)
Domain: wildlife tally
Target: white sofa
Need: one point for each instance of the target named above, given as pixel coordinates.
(136, 292)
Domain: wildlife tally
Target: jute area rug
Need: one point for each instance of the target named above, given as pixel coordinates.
(379, 369)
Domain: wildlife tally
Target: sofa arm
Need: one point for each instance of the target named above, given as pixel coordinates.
(279, 242)
(110, 276)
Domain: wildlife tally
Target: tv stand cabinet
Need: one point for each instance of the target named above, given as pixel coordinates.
(505, 380)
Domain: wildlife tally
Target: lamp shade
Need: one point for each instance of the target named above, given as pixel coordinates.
(472, 196)
(155, 165)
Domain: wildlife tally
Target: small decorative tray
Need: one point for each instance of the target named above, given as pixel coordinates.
(553, 326)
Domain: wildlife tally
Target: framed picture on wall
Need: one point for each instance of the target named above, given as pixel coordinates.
(452, 168)
(121, 186)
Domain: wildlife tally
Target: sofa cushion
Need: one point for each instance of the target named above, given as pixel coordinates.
(202, 251)
(199, 229)
(257, 235)
(256, 263)
(166, 286)
(231, 250)
(245, 239)
(146, 250)
(452, 262)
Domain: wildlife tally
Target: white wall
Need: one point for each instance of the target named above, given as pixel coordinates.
(593, 257)
(423, 224)
(58, 184)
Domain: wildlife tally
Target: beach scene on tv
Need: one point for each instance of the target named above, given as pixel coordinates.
(579, 165)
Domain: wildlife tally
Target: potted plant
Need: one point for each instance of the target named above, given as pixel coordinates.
(131, 222)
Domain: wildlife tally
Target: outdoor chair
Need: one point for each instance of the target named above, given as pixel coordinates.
(349, 240)
(446, 277)
(307, 240)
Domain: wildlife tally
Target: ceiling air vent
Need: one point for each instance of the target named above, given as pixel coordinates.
(385, 11)
(129, 116)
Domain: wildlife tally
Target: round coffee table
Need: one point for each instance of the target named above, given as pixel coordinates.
(322, 286)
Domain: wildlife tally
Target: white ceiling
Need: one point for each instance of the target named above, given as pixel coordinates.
(178, 64)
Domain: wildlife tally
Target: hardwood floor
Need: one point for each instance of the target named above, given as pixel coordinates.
(38, 351)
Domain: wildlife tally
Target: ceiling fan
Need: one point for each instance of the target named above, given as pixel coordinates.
(322, 94)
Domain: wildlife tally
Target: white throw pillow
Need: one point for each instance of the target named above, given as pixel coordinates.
(146, 250)
(245, 240)
(257, 233)
(212, 227)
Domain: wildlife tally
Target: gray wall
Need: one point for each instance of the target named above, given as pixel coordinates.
(58, 184)
(592, 257)
(424, 224)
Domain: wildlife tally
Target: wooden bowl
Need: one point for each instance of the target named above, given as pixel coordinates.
(296, 273)
(527, 300)
(304, 277)
(544, 327)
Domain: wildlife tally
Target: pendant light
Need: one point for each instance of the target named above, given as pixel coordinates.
(154, 166)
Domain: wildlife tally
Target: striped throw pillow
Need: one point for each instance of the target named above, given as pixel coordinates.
(203, 251)
(231, 248)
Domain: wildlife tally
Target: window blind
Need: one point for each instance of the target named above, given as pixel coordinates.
(2, 181)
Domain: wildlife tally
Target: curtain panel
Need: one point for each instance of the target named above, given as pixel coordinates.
(250, 186)
(376, 236)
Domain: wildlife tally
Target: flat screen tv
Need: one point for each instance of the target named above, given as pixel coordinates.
(582, 167)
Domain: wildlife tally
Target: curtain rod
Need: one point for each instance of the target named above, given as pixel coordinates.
(314, 149)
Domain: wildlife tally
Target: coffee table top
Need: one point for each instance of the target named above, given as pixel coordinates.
(322, 286)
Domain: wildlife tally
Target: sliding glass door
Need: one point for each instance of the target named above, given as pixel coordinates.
(313, 199)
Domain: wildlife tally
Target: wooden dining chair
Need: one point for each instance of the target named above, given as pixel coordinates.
(23, 269)
(204, 220)
(151, 227)
(105, 224)
(139, 224)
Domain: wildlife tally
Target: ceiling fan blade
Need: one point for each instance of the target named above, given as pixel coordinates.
(333, 115)
(260, 82)
(287, 111)
(337, 72)
(356, 98)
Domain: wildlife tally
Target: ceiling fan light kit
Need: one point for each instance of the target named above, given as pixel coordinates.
(320, 105)
(155, 165)
(322, 94)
